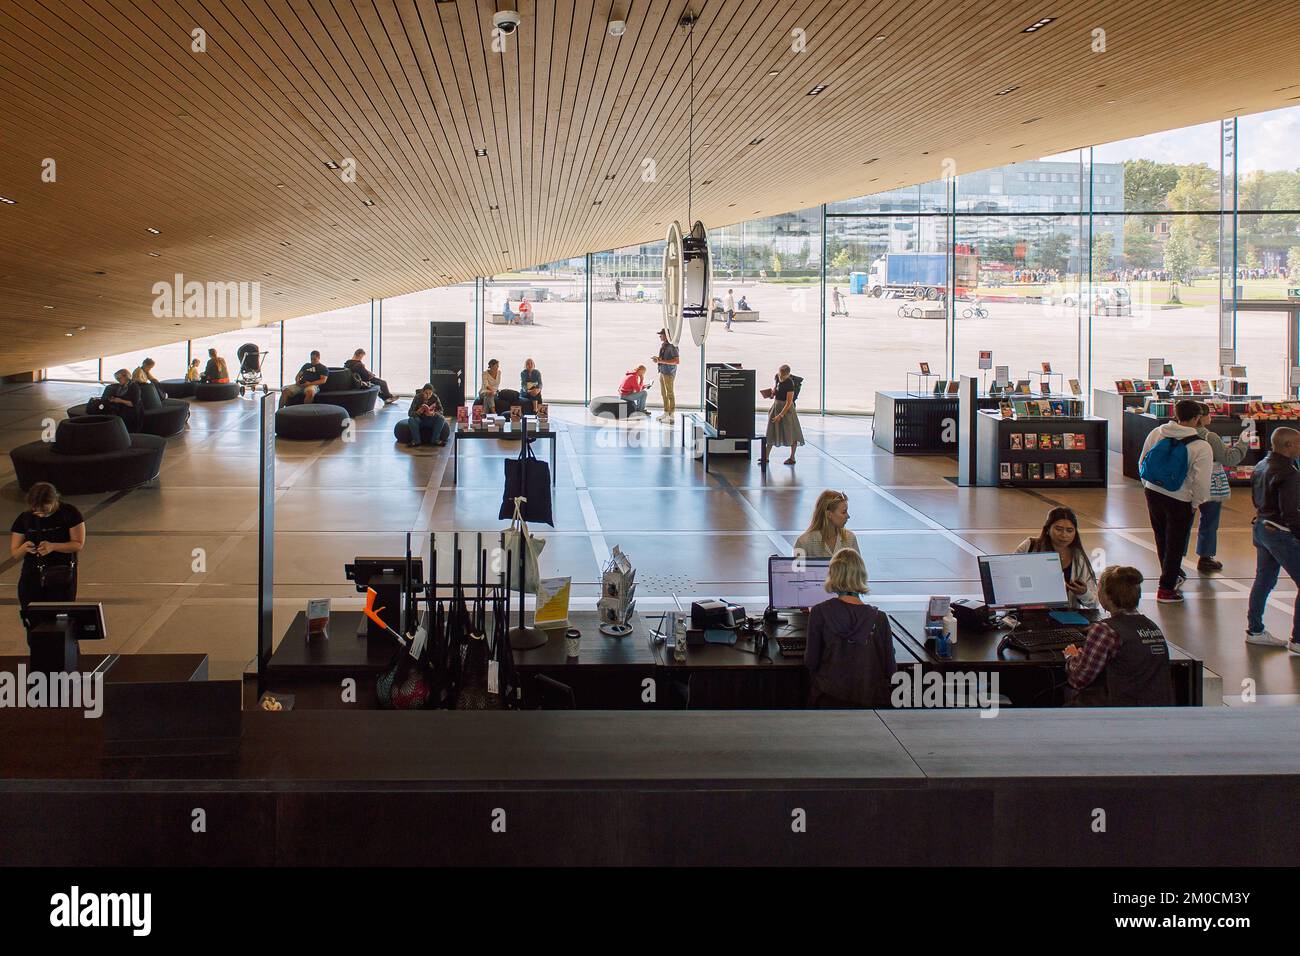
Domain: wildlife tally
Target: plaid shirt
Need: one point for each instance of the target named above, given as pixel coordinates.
(1101, 645)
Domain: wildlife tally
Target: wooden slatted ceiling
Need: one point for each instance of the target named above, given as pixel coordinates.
(225, 151)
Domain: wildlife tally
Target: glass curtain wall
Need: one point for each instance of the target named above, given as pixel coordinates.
(1094, 261)
(538, 313)
(265, 337)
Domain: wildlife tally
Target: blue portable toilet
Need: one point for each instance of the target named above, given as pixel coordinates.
(857, 282)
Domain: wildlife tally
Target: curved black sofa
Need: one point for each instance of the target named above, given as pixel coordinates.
(338, 390)
(178, 388)
(215, 391)
(90, 454)
(164, 417)
(317, 420)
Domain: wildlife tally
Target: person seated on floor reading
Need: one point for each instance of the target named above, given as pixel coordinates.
(216, 372)
(425, 419)
(487, 392)
(307, 382)
(1061, 534)
(633, 389)
(530, 382)
(1124, 661)
(850, 649)
(826, 532)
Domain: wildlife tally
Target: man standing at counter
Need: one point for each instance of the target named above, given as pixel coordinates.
(1275, 488)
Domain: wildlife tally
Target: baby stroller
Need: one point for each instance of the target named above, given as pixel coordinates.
(250, 367)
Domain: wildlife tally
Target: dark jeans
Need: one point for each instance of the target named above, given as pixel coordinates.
(428, 429)
(1274, 550)
(29, 589)
(384, 393)
(1171, 520)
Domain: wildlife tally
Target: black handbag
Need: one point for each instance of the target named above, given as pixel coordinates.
(530, 478)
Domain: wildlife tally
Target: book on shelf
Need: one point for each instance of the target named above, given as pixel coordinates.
(1080, 441)
(1017, 441)
(1075, 388)
(1057, 406)
(1067, 441)
(953, 387)
(1045, 442)
(1035, 471)
(1058, 440)
(1006, 409)
(1063, 470)
(1031, 440)
(1018, 470)
(1049, 473)
(1076, 469)
(1004, 471)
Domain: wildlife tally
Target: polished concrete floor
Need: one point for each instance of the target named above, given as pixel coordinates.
(175, 562)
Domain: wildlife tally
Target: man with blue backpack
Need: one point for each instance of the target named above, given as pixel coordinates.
(1175, 468)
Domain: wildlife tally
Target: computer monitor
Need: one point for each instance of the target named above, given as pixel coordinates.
(85, 622)
(1023, 580)
(362, 569)
(796, 582)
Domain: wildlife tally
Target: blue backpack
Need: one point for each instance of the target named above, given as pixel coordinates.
(1166, 463)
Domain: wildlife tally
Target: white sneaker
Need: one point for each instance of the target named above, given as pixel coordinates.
(1268, 640)
(1293, 647)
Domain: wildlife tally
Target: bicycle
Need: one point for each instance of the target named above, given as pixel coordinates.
(975, 312)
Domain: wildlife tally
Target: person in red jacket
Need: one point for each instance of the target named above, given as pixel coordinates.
(633, 389)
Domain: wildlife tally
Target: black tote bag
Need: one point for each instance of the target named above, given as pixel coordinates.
(528, 477)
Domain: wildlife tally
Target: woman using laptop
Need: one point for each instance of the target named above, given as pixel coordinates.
(850, 651)
(1061, 534)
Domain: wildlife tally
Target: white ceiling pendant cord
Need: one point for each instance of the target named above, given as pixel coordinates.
(688, 272)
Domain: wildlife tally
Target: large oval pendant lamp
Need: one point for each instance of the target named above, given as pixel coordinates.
(673, 283)
(697, 282)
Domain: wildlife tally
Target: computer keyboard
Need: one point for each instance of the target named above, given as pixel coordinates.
(1049, 639)
(792, 646)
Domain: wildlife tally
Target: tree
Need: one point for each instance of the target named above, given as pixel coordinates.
(1139, 244)
(1147, 183)
(1103, 249)
(776, 265)
(1293, 261)
(1054, 252)
(1180, 257)
(842, 260)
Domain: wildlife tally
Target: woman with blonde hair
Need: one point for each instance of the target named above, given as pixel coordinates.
(827, 533)
(850, 651)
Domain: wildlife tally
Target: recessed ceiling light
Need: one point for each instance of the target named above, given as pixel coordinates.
(156, 232)
(49, 307)
(68, 334)
(595, 202)
(480, 151)
(494, 208)
(1005, 90)
(816, 89)
(773, 72)
(367, 202)
(755, 142)
(707, 182)
(100, 272)
(356, 280)
(284, 243)
(1035, 27)
(609, 177)
(424, 260)
(878, 36)
(155, 254)
(1028, 121)
(7, 201)
(505, 252)
(730, 205)
(926, 153)
(330, 164)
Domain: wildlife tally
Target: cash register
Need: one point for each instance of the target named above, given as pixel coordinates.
(1030, 591)
(794, 584)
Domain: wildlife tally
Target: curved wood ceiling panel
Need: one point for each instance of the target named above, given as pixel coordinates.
(226, 151)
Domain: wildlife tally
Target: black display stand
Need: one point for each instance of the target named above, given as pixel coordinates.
(729, 400)
(447, 363)
(994, 446)
(906, 424)
(1138, 425)
(54, 649)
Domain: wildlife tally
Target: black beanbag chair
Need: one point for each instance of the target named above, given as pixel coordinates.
(314, 421)
(610, 406)
(178, 388)
(215, 391)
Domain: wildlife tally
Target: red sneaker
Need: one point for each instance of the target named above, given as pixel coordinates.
(1169, 596)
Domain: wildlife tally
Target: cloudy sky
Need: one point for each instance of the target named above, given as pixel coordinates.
(1269, 141)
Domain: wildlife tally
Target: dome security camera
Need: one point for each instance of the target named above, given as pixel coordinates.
(507, 21)
(617, 27)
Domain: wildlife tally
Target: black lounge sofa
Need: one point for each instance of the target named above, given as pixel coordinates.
(216, 391)
(164, 417)
(339, 390)
(178, 388)
(90, 454)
